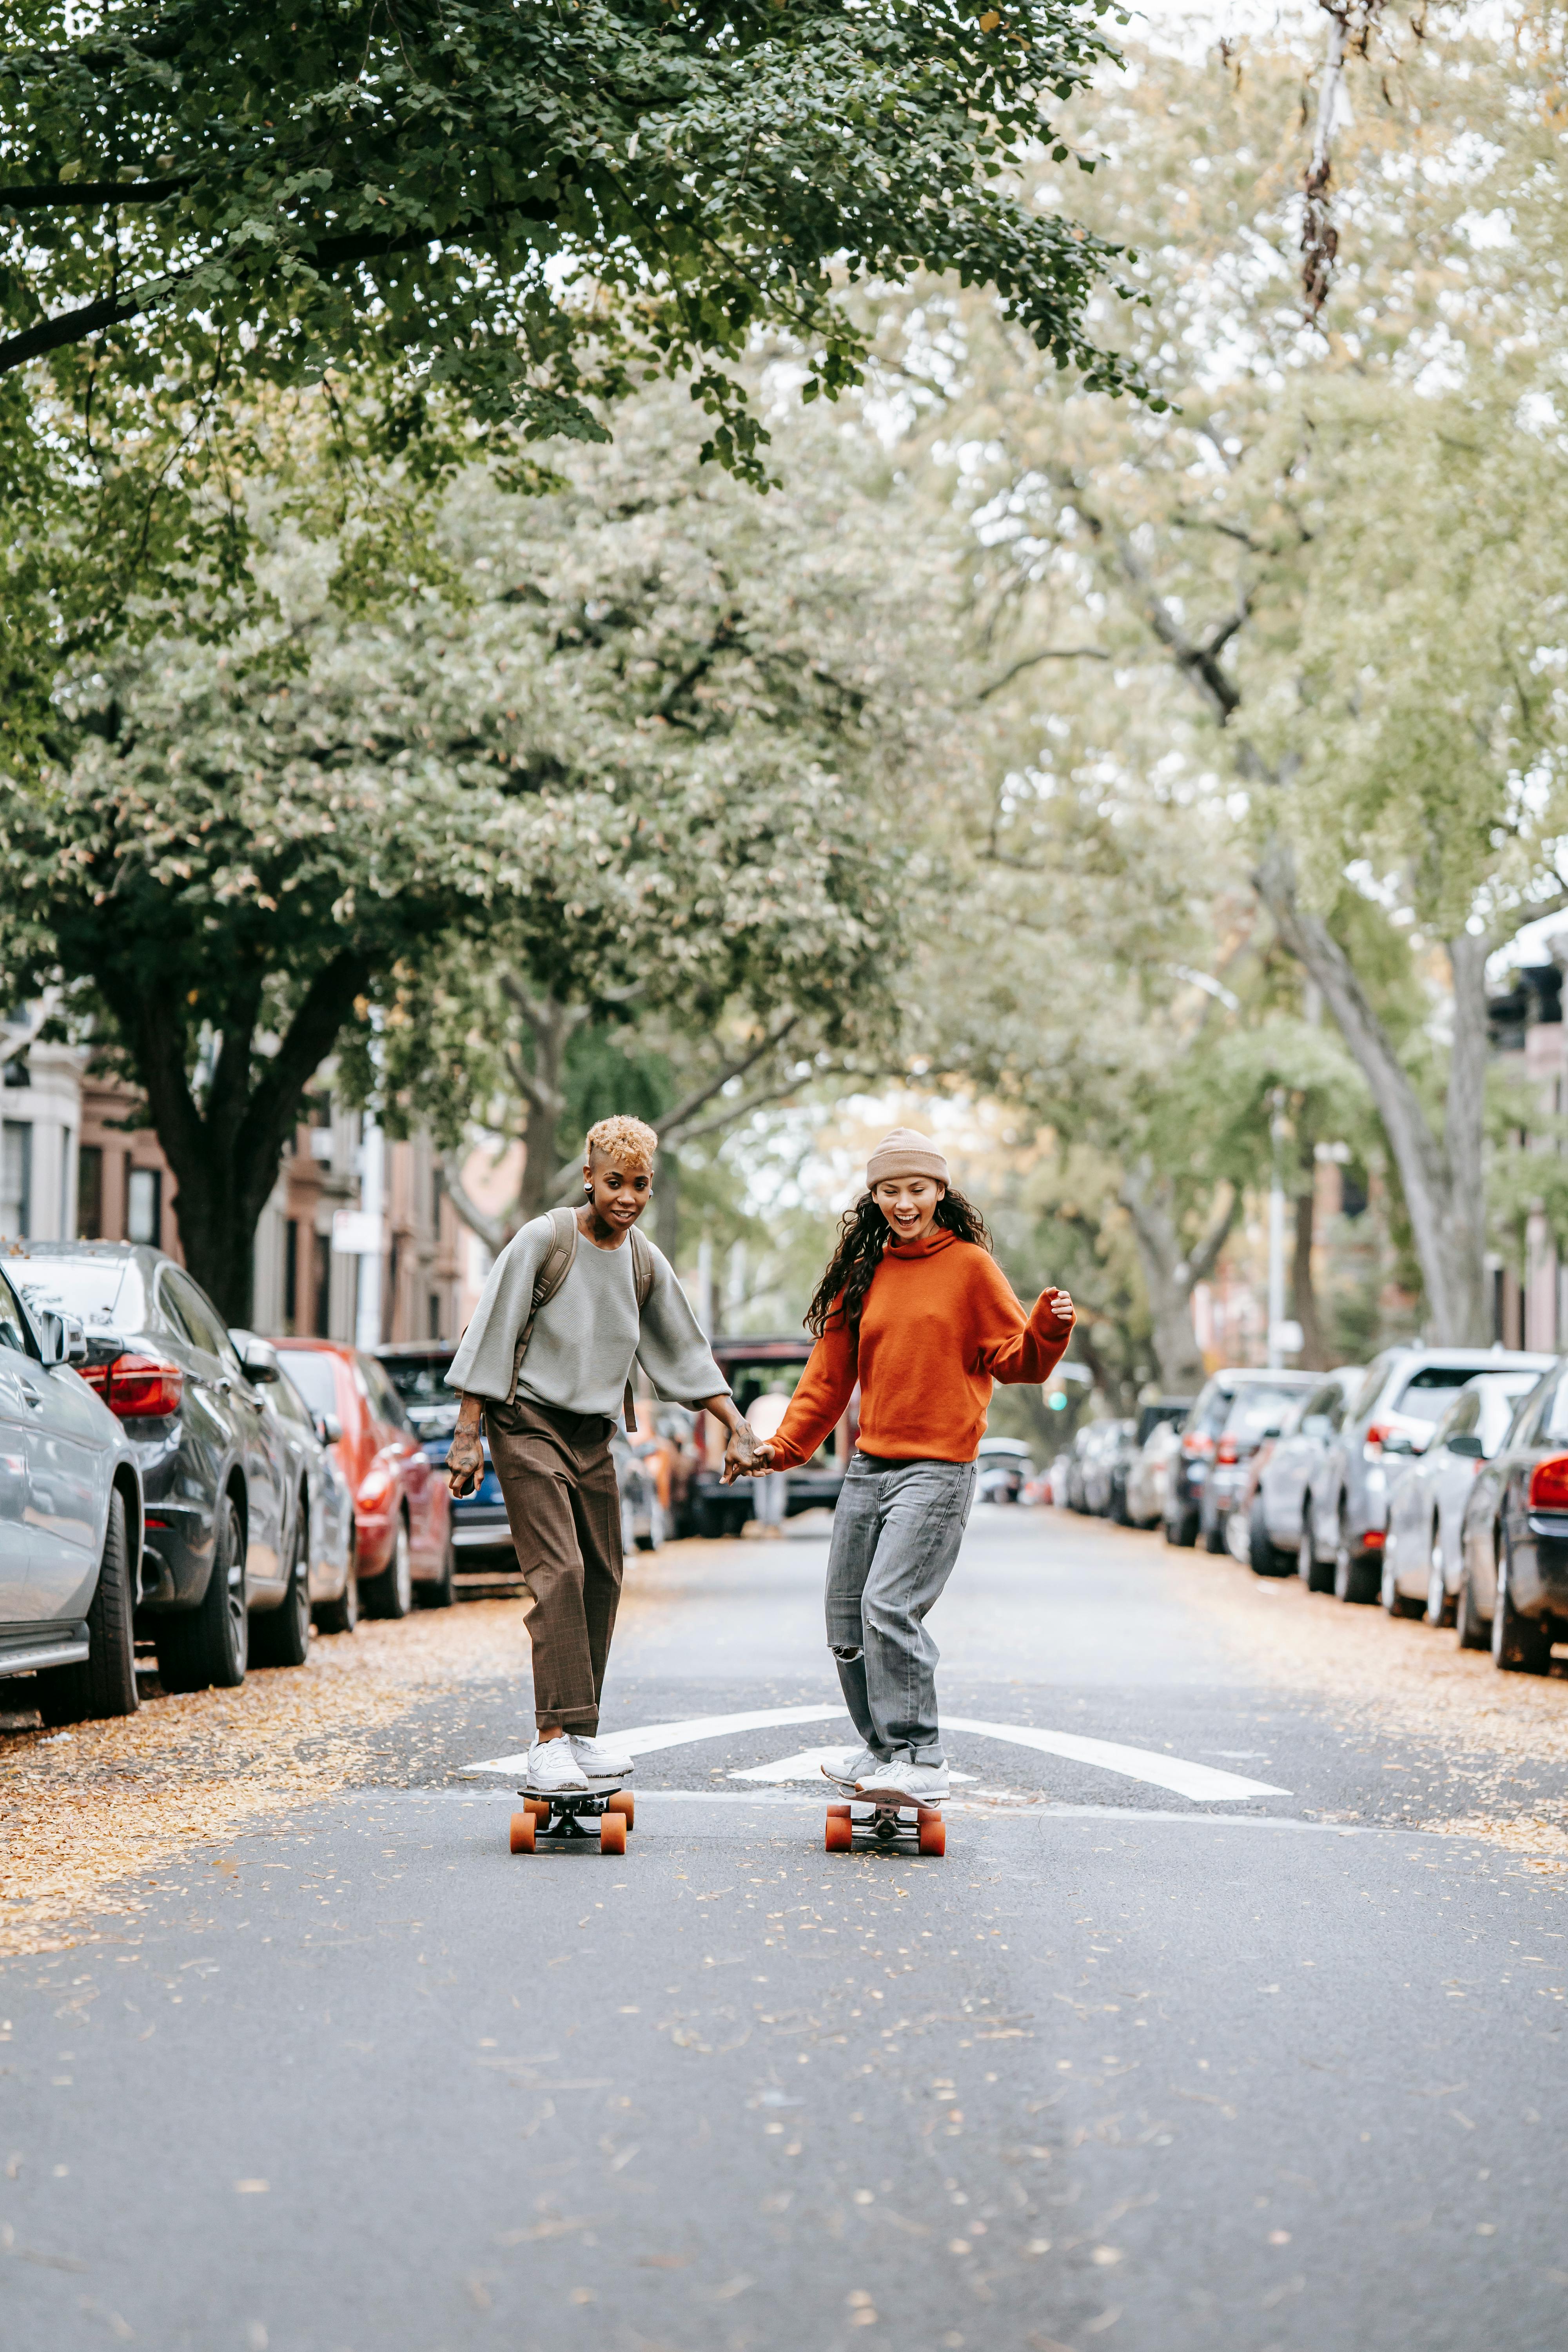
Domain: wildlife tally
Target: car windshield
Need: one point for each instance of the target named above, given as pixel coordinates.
(421, 1382)
(105, 1294)
(1258, 1408)
(315, 1377)
(1428, 1394)
(1499, 1399)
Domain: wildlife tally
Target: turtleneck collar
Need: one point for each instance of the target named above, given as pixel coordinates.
(938, 1239)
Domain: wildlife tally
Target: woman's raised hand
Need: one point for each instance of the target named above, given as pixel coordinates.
(1061, 1306)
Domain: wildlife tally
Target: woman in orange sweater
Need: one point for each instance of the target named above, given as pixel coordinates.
(915, 1307)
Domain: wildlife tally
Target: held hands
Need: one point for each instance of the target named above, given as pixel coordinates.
(1061, 1307)
(465, 1461)
(743, 1456)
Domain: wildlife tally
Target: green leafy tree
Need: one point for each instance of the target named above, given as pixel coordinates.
(502, 218)
(274, 832)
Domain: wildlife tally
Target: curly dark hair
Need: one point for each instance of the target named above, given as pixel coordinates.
(862, 1237)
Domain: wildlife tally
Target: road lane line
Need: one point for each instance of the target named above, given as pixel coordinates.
(1202, 1783)
(806, 1765)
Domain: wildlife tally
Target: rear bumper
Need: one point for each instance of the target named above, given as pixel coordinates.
(1538, 1566)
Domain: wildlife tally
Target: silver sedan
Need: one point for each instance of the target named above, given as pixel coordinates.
(1421, 1561)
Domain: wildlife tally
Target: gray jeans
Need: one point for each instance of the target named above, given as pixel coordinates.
(896, 1534)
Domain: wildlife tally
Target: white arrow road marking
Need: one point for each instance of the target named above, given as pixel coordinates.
(806, 1765)
(1204, 1783)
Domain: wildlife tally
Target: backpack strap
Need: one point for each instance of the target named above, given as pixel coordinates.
(560, 1254)
(643, 1272)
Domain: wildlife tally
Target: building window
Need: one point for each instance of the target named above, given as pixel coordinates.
(290, 1275)
(144, 1205)
(434, 1311)
(89, 1192)
(323, 1321)
(17, 1178)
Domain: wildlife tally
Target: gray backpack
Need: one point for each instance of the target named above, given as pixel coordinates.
(556, 1266)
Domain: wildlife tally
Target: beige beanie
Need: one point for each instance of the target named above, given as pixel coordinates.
(905, 1153)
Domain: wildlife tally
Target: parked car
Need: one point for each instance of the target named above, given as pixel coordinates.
(642, 1514)
(1513, 1536)
(1275, 1514)
(329, 1591)
(481, 1533)
(220, 1511)
(403, 1529)
(1256, 1415)
(1192, 1469)
(1110, 1438)
(1004, 1469)
(752, 1366)
(1404, 1394)
(71, 1522)
(1149, 1472)
(1422, 1558)
(1166, 1413)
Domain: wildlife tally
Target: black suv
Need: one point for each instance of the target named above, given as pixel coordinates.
(224, 1533)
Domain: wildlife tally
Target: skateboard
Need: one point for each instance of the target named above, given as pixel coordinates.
(558, 1814)
(883, 1824)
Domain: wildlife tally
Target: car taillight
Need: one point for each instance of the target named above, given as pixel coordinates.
(377, 1487)
(1371, 1446)
(1225, 1450)
(1197, 1446)
(1548, 1484)
(138, 1388)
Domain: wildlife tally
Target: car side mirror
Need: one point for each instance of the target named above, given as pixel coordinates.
(258, 1368)
(61, 1340)
(1273, 1430)
(1469, 1447)
(1396, 1443)
(329, 1428)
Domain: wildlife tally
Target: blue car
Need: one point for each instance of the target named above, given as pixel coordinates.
(481, 1538)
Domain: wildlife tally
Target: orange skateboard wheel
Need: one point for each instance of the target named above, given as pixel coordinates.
(522, 1827)
(623, 1801)
(612, 1833)
(841, 1833)
(933, 1833)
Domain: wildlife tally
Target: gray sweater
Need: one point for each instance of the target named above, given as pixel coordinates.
(580, 1354)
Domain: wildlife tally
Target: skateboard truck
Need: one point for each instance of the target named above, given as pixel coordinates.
(560, 1816)
(882, 1824)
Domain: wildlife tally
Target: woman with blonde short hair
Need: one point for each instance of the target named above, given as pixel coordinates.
(574, 1298)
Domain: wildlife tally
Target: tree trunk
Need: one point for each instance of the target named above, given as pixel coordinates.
(1441, 1178)
(1171, 1275)
(551, 1026)
(1314, 1356)
(226, 1149)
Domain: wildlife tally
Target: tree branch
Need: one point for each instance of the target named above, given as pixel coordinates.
(1049, 652)
(672, 1127)
(494, 1232)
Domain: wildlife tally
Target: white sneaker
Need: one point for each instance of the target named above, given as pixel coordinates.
(598, 1758)
(849, 1774)
(920, 1784)
(553, 1770)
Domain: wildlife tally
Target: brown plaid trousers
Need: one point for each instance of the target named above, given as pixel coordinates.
(563, 1506)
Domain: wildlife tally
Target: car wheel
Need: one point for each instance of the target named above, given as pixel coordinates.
(1355, 1576)
(391, 1594)
(1473, 1628)
(105, 1683)
(1396, 1603)
(208, 1645)
(1262, 1554)
(1314, 1573)
(1519, 1645)
(1213, 1534)
(1439, 1599)
(438, 1592)
(342, 1615)
(1183, 1532)
(281, 1637)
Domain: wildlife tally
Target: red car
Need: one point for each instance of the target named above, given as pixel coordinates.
(403, 1529)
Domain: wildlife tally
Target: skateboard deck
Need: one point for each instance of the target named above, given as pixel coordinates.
(881, 1824)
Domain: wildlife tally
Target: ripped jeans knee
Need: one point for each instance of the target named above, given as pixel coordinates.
(849, 1654)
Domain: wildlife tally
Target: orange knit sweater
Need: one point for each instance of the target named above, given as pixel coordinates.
(939, 1324)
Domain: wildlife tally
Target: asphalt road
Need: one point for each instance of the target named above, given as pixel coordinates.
(1130, 2068)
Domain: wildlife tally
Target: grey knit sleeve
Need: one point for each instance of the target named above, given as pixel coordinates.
(670, 1347)
(487, 1353)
